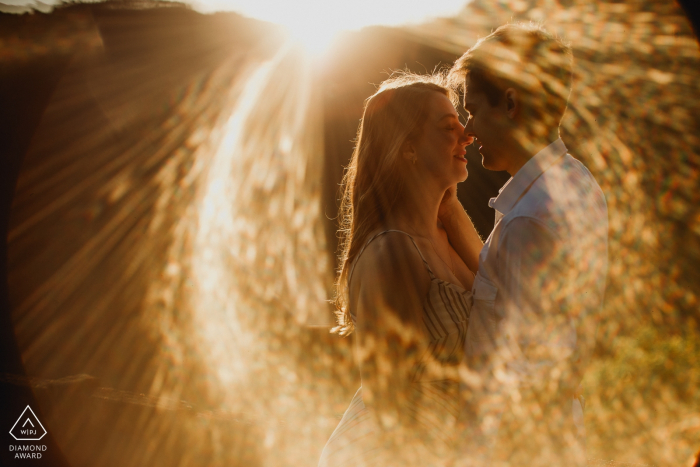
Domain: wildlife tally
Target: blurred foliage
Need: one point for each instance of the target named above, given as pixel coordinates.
(644, 394)
(103, 230)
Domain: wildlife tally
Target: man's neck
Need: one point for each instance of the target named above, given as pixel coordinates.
(527, 147)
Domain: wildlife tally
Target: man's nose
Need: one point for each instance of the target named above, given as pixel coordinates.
(469, 128)
(468, 135)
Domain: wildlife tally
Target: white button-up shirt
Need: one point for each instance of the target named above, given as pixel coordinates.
(542, 270)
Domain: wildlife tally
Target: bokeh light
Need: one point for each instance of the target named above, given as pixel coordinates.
(171, 236)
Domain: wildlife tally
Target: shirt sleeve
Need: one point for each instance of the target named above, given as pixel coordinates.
(537, 331)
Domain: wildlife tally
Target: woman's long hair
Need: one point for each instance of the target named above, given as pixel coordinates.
(372, 182)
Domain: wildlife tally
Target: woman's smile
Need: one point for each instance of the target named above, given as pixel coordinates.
(461, 157)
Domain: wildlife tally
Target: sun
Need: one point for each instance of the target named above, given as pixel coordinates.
(314, 23)
(315, 39)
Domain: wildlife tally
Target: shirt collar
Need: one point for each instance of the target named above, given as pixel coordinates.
(511, 192)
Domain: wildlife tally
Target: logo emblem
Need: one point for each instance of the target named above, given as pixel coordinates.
(28, 427)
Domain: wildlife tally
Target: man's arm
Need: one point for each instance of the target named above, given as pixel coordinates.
(533, 377)
(535, 298)
(460, 229)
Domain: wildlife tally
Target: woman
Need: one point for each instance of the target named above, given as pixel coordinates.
(401, 287)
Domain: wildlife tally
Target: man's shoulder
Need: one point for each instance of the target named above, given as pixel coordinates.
(566, 184)
(581, 188)
(565, 191)
(575, 172)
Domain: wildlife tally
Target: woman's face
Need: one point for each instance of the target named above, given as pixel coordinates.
(440, 149)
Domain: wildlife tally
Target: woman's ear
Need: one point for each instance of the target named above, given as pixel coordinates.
(512, 102)
(408, 152)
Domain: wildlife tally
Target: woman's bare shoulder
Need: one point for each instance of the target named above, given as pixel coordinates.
(391, 267)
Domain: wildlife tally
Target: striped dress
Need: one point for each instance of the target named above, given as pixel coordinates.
(446, 311)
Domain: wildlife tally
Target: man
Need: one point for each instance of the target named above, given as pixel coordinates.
(541, 273)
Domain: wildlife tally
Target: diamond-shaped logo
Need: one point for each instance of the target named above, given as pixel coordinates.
(28, 427)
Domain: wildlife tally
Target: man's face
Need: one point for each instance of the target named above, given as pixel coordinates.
(491, 127)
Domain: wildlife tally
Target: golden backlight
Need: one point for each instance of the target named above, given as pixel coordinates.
(170, 245)
(314, 23)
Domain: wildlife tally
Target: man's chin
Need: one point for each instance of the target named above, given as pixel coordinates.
(489, 164)
(486, 162)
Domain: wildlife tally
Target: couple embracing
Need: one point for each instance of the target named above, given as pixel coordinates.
(470, 353)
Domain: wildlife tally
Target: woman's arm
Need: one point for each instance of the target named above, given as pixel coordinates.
(390, 283)
(460, 229)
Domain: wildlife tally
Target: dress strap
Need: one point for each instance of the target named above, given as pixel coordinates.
(430, 271)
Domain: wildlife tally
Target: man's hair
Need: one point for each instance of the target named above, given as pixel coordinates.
(523, 56)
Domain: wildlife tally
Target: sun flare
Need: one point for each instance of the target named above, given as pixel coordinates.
(314, 23)
(171, 223)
